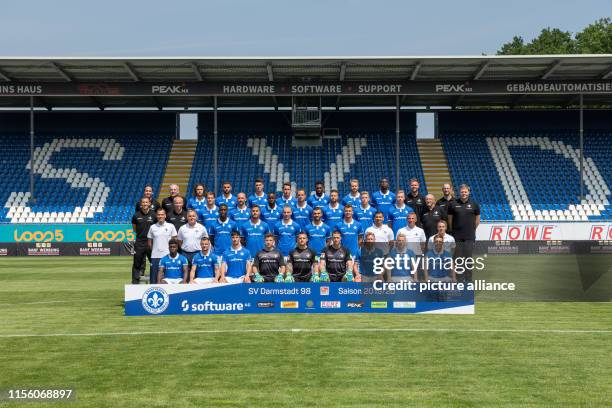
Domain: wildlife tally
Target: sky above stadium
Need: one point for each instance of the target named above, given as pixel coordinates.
(281, 28)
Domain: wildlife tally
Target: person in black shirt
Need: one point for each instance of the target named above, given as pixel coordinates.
(415, 200)
(168, 202)
(302, 260)
(432, 214)
(269, 262)
(148, 193)
(448, 195)
(463, 219)
(141, 222)
(178, 215)
(337, 261)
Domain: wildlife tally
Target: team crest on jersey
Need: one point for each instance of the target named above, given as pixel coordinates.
(155, 300)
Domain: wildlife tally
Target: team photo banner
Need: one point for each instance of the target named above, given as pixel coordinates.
(311, 88)
(345, 297)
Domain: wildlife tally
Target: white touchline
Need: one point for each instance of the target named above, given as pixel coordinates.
(306, 330)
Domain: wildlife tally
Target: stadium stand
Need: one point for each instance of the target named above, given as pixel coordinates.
(88, 167)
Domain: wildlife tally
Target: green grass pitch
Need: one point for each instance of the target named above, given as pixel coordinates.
(530, 353)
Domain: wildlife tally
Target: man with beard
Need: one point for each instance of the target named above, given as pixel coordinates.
(271, 213)
(318, 232)
(269, 263)
(333, 212)
(254, 230)
(198, 200)
(415, 199)
(227, 197)
(303, 261)
(318, 198)
(448, 195)
(302, 212)
(336, 260)
(354, 196)
(384, 199)
(241, 212)
(464, 218)
(221, 232)
(141, 222)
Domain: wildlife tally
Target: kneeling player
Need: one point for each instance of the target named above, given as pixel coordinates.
(336, 261)
(269, 263)
(302, 260)
(173, 267)
(236, 262)
(204, 268)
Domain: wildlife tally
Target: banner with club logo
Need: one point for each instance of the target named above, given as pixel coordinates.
(346, 297)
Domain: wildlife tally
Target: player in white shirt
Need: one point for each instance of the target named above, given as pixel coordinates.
(415, 236)
(381, 231)
(448, 240)
(158, 237)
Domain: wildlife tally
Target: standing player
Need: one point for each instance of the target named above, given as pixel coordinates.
(384, 199)
(318, 198)
(448, 195)
(227, 197)
(398, 214)
(259, 196)
(205, 267)
(209, 214)
(178, 215)
(337, 262)
(415, 199)
(381, 231)
(302, 211)
(168, 202)
(198, 200)
(354, 196)
(189, 236)
(333, 212)
(415, 236)
(269, 263)
(241, 212)
(318, 232)
(236, 262)
(141, 222)
(303, 261)
(432, 214)
(286, 230)
(221, 232)
(271, 213)
(148, 193)
(287, 198)
(158, 237)
(173, 267)
(364, 213)
(464, 218)
(350, 231)
(254, 231)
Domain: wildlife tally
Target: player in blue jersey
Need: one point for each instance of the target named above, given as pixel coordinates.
(404, 259)
(351, 231)
(173, 268)
(198, 200)
(398, 213)
(209, 213)
(271, 213)
(287, 198)
(227, 197)
(364, 213)
(302, 212)
(318, 232)
(259, 196)
(254, 230)
(384, 199)
(205, 266)
(439, 263)
(333, 212)
(318, 198)
(221, 231)
(370, 252)
(354, 196)
(236, 262)
(241, 212)
(287, 231)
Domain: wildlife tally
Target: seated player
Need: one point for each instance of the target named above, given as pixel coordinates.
(236, 262)
(269, 263)
(369, 252)
(438, 267)
(173, 267)
(337, 262)
(303, 262)
(402, 269)
(204, 268)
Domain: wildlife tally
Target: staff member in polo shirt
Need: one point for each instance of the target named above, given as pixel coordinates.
(148, 193)
(178, 215)
(205, 268)
(198, 200)
(158, 237)
(141, 222)
(464, 218)
(381, 231)
(432, 213)
(448, 195)
(415, 236)
(449, 241)
(236, 262)
(168, 202)
(189, 236)
(415, 199)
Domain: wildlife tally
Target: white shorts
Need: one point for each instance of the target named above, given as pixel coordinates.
(203, 280)
(173, 281)
(234, 280)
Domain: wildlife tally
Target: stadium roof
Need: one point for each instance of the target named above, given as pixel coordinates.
(470, 81)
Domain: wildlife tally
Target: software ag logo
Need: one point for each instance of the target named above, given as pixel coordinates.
(155, 300)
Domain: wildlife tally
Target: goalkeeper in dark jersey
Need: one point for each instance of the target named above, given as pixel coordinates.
(303, 262)
(336, 264)
(269, 263)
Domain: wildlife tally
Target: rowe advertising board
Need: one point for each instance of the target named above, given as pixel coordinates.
(346, 297)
